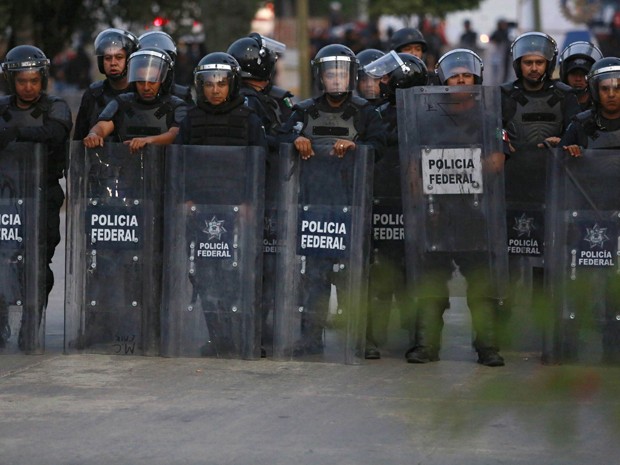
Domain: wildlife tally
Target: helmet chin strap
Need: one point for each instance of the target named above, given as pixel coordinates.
(338, 96)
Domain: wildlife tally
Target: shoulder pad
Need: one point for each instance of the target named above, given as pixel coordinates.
(57, 109)
(507, 87)
(359, 101)
(305, 105)
(559, 85)
(584, 116)
(279, 93)
(96, 88)
(127, 97)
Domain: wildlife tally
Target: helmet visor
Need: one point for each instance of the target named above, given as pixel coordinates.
(384, 65)
(147, 66)
(581, 49)
(458, 62)
(337, 73)
(273, 45)
(604, 80)
(534, 44)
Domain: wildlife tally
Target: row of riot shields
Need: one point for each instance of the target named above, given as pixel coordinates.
(165, 246)
(22, 248)
(165, 252)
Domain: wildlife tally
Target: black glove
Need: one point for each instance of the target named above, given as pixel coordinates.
(7, 135)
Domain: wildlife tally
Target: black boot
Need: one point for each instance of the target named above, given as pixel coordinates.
(484, 319)
(427, 335)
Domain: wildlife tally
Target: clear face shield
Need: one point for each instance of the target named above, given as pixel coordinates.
(459, 62)
(275, 47)
(148, 66)
(337, 74)
(581, 48)
(534, 44)
(368, 86)
(604, 82)
(384, 65)
(213, 79)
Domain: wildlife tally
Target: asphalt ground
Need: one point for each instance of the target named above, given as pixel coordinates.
(101, 409)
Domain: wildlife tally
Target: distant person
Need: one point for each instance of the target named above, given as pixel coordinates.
(469, 37)
(500, 52)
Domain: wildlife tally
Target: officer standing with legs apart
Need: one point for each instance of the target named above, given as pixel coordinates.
(339, 120)
(387, 269)
(29, 114)
(113, 48)
(454, 204)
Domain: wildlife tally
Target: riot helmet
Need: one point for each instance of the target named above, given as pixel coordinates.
(578, 55)
(150, 65)
(605, 69)
(112, 40)
(534, 43)
(256, 55)
(403, 69)
(160, 40)
(25, 58)
(406, 36)
(458, 61)
(368, 86)
(217, 67)
(335, 70)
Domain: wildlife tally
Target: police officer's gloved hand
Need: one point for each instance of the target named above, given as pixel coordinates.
(8, 135)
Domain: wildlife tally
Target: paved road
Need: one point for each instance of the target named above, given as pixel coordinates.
(100, 410)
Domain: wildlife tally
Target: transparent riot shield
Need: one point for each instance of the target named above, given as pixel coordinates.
(525, 183)
(582, 268)
(323, 245)
(22, 248)
(213, 251)
(453, 188)
(114, 252)
(387, 279)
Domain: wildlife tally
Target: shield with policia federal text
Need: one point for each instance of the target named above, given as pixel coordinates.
(582, 267)
(213, 243)
(114, 250)
(22, 248)
(323, 249)
(452, 181)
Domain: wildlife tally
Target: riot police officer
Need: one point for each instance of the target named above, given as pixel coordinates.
(147, 116)
(368, 86)
(162, 41)
(113, 47)
(459, 67)
(575, 63)
(387, 269)
(220, 117)
(29, 114)
(257, 57)
(599, 127)
(340, 120)
(536, 108)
